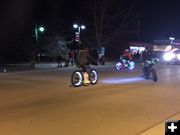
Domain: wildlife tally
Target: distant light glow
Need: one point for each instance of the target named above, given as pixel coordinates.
(178, 56)
(171, 38)
(83, 27)
(75, 26)
(122, 80)
(174, 49)
(168, 56)
(168, 48)
(41, 29)
(137, 48)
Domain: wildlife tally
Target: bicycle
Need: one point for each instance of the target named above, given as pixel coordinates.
(78, 77)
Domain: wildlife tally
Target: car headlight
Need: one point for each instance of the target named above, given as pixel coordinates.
(178, 56)
(168, 56)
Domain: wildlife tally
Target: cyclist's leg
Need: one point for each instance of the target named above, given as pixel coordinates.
(146, 72)
(85, 74)
(83, 67)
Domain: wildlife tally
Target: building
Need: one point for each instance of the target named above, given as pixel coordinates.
(139, 46)
(157, 45)
(160, 47)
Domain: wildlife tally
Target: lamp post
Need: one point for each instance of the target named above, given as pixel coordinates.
(171, 39)
(79, 31)
(38, 30)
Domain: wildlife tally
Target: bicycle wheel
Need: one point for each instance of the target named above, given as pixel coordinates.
(118, 66)
(77, 78)
(131, 65)
(93, 76)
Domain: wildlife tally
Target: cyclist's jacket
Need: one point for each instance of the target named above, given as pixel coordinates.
(84, 58)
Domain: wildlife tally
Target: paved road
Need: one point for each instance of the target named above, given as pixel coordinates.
(41, 102)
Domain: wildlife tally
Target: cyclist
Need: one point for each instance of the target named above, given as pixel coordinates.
(84, 60)
(147, 55)
(127, 57)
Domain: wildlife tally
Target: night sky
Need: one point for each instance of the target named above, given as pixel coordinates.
(161, 20)
(158, 19)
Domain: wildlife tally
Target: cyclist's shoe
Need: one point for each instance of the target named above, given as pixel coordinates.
(86, 82)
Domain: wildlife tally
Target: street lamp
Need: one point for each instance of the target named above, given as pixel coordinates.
(38, 30)
(79, 31)
(171, 39)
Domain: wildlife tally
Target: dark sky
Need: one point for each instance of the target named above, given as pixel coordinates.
(159, 20)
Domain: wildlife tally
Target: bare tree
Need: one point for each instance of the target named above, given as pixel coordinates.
(58, 50)
(112, 19)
